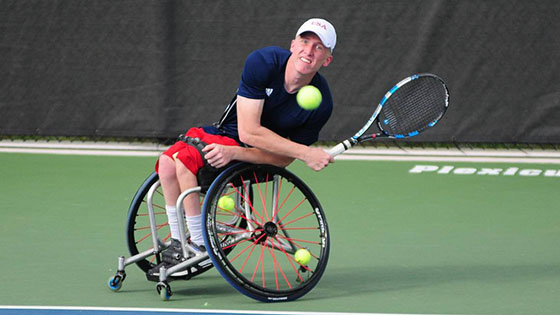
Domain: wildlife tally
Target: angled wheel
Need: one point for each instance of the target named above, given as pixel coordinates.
(283, 217)
(164, 290)
(115, 282)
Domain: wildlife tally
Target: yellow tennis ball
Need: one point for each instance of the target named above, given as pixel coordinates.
(309, 97)
(226, 203)
(302, 256)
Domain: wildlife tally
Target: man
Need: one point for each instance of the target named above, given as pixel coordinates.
(263, 125)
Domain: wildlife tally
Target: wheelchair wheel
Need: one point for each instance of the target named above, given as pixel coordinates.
(285, 216)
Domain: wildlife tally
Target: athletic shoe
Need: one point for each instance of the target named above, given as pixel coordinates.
(198, 248)
(170, 257)
(174, 253)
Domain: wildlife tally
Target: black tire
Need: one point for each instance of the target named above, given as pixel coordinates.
(258, 260)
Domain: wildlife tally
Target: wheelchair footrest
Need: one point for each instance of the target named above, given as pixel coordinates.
(189, 272)
(155, 278)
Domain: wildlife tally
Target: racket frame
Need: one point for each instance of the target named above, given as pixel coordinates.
(359, 136)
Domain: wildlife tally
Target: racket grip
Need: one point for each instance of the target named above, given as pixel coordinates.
(340, 148)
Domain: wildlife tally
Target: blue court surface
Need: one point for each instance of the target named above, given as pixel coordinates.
(41, 310)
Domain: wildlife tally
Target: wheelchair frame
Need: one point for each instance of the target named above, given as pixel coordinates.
(249, 227)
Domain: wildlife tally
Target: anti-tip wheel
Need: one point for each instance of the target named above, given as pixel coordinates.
(164, 291)
(115, 283)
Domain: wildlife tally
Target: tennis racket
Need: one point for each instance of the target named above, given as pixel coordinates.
(411, 106)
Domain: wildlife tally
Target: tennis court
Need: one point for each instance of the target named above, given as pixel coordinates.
(460, 219)
(424, 236)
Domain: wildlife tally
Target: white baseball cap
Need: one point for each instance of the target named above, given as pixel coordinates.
(322, 28)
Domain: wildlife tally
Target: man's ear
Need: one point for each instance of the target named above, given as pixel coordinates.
(328, 61)
(292, 45)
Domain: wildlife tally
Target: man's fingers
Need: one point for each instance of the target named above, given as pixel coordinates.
(208, 147)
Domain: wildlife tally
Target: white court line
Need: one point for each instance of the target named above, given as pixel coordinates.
(458, 152)
(188, 311)
(81, 152)
(354, 154)
(471, 159)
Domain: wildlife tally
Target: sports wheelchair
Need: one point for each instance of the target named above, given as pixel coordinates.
(251, 244)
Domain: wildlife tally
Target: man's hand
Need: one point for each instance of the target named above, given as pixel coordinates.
(317, 158)
(219, 155)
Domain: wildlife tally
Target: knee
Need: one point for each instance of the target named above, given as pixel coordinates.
(182, 170)
(188, 162)
(166, 167)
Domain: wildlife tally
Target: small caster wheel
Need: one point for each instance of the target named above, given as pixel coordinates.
(115, 282)
(164, 291)
(303, 275)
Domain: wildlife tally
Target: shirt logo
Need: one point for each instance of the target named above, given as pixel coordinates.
(269, 91)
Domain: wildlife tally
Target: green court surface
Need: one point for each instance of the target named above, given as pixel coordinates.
(402, 242)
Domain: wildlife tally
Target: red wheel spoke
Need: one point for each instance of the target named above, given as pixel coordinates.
(167, 237)
(263, 198)
(254, 243)
(279, 267)
(239, 214)
(299, 240)
(253, 246)
(293, 209)
(236, 244)
(146, 214)
(291, 260)
(246, 200)
(257, 266)
(239, 230)
(150, 233)
(295, 220)
(147, 227)
(155, 205)
(159, 192)
(275, 263)
(262, 263)
(286, 199)
(299, 228)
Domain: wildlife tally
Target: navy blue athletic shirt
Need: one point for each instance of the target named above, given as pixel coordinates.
(263, 78)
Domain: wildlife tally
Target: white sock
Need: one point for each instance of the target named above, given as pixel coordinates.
(194, 224)
(173, 221)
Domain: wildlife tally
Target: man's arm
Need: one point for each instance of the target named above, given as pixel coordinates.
(252, 133)
(220, 155)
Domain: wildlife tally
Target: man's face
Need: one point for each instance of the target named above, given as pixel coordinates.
(310, 53)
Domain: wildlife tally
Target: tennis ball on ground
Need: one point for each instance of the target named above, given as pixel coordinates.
(302, 256)
(226, 203)
(309, 97)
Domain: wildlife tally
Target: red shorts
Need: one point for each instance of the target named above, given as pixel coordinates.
(189, 155)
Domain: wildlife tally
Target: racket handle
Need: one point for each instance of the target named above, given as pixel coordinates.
(340, 148)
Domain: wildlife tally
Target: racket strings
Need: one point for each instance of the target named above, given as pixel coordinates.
(413, 107)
